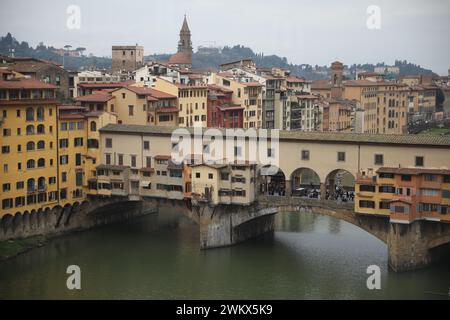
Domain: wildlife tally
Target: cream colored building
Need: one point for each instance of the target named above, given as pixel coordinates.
(224, 183)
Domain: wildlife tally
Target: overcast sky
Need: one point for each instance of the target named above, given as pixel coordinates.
(304, 31)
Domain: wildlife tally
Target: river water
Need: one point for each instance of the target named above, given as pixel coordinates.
(309, 256)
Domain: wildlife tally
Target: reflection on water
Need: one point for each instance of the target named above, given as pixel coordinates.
(157, 257)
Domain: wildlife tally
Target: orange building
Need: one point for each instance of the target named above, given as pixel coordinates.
(405, 194)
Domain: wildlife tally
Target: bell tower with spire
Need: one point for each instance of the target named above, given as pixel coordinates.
(185, 43)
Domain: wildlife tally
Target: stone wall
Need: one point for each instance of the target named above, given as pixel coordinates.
(59, 220)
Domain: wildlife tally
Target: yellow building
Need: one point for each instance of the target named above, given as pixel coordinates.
(192, 102)
(142, 105)
(72, 149)
(28, 163)
(384, 105)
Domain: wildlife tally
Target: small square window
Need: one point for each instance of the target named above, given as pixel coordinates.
(305, 155)
(341, 156)
(379, 159)
(419, 161)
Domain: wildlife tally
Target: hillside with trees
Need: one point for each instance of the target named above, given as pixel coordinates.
(200, 60)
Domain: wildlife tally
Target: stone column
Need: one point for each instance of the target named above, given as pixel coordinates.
(323, 191)
(407, 246)
(288, 188)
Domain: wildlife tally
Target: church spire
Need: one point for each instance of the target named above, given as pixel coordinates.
(185, 43)
(185, 27)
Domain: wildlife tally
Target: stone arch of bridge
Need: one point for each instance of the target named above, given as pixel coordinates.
(339, 185)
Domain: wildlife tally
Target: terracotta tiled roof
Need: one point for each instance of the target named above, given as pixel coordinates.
(95, 97)
(180, 58)
(413, 171)
(22, 83)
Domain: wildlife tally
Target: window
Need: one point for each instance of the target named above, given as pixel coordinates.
(386, 175)
(64, 159)
(379, 159)
(419, 161)
(41, 145)
(80, 125)
(63, 126)
(341, 156)
(51, 180)
(430, 177)
(30, 130)
(386, 189)
(31, 164)
(146, 145)
(237, 151)
(224, 176)
(30, 185)
(7, 203)
(108, 143)
(406, 177)
(429, 192)
(133, 161)
(30, 114)
(148, 162)
(120, 159)
(79, 178)
(41, 129)
(108, 158)
(210, 176)
(5, 149)
(6, 187)
(446, 194)
(63, 143)
(130, 110)
(92, 143)
(20, 185)
(366, 204)
(271, 152)
(384, 205)
(197, 175)
(430, 207)
(305, 155)
(93, 126)
(63, 176)
(78, 142)
(72, 126)
(40, 114)
(41, 163)
(78, 159)
(367, 188)
(7, 132)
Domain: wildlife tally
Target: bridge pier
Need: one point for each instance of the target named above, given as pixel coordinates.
(225, 225)
(411, 246)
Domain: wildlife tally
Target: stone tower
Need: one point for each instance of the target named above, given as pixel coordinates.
(185, 43)
(337, 69)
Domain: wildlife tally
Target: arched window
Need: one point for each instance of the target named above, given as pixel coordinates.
(93, 126)
(30, 114)
(41, 145)
(31, 164)
(40, 114)
(41, 183)
(41, 129)
(30, 129)
(30, 146)
(41, 163)
(30, 185)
